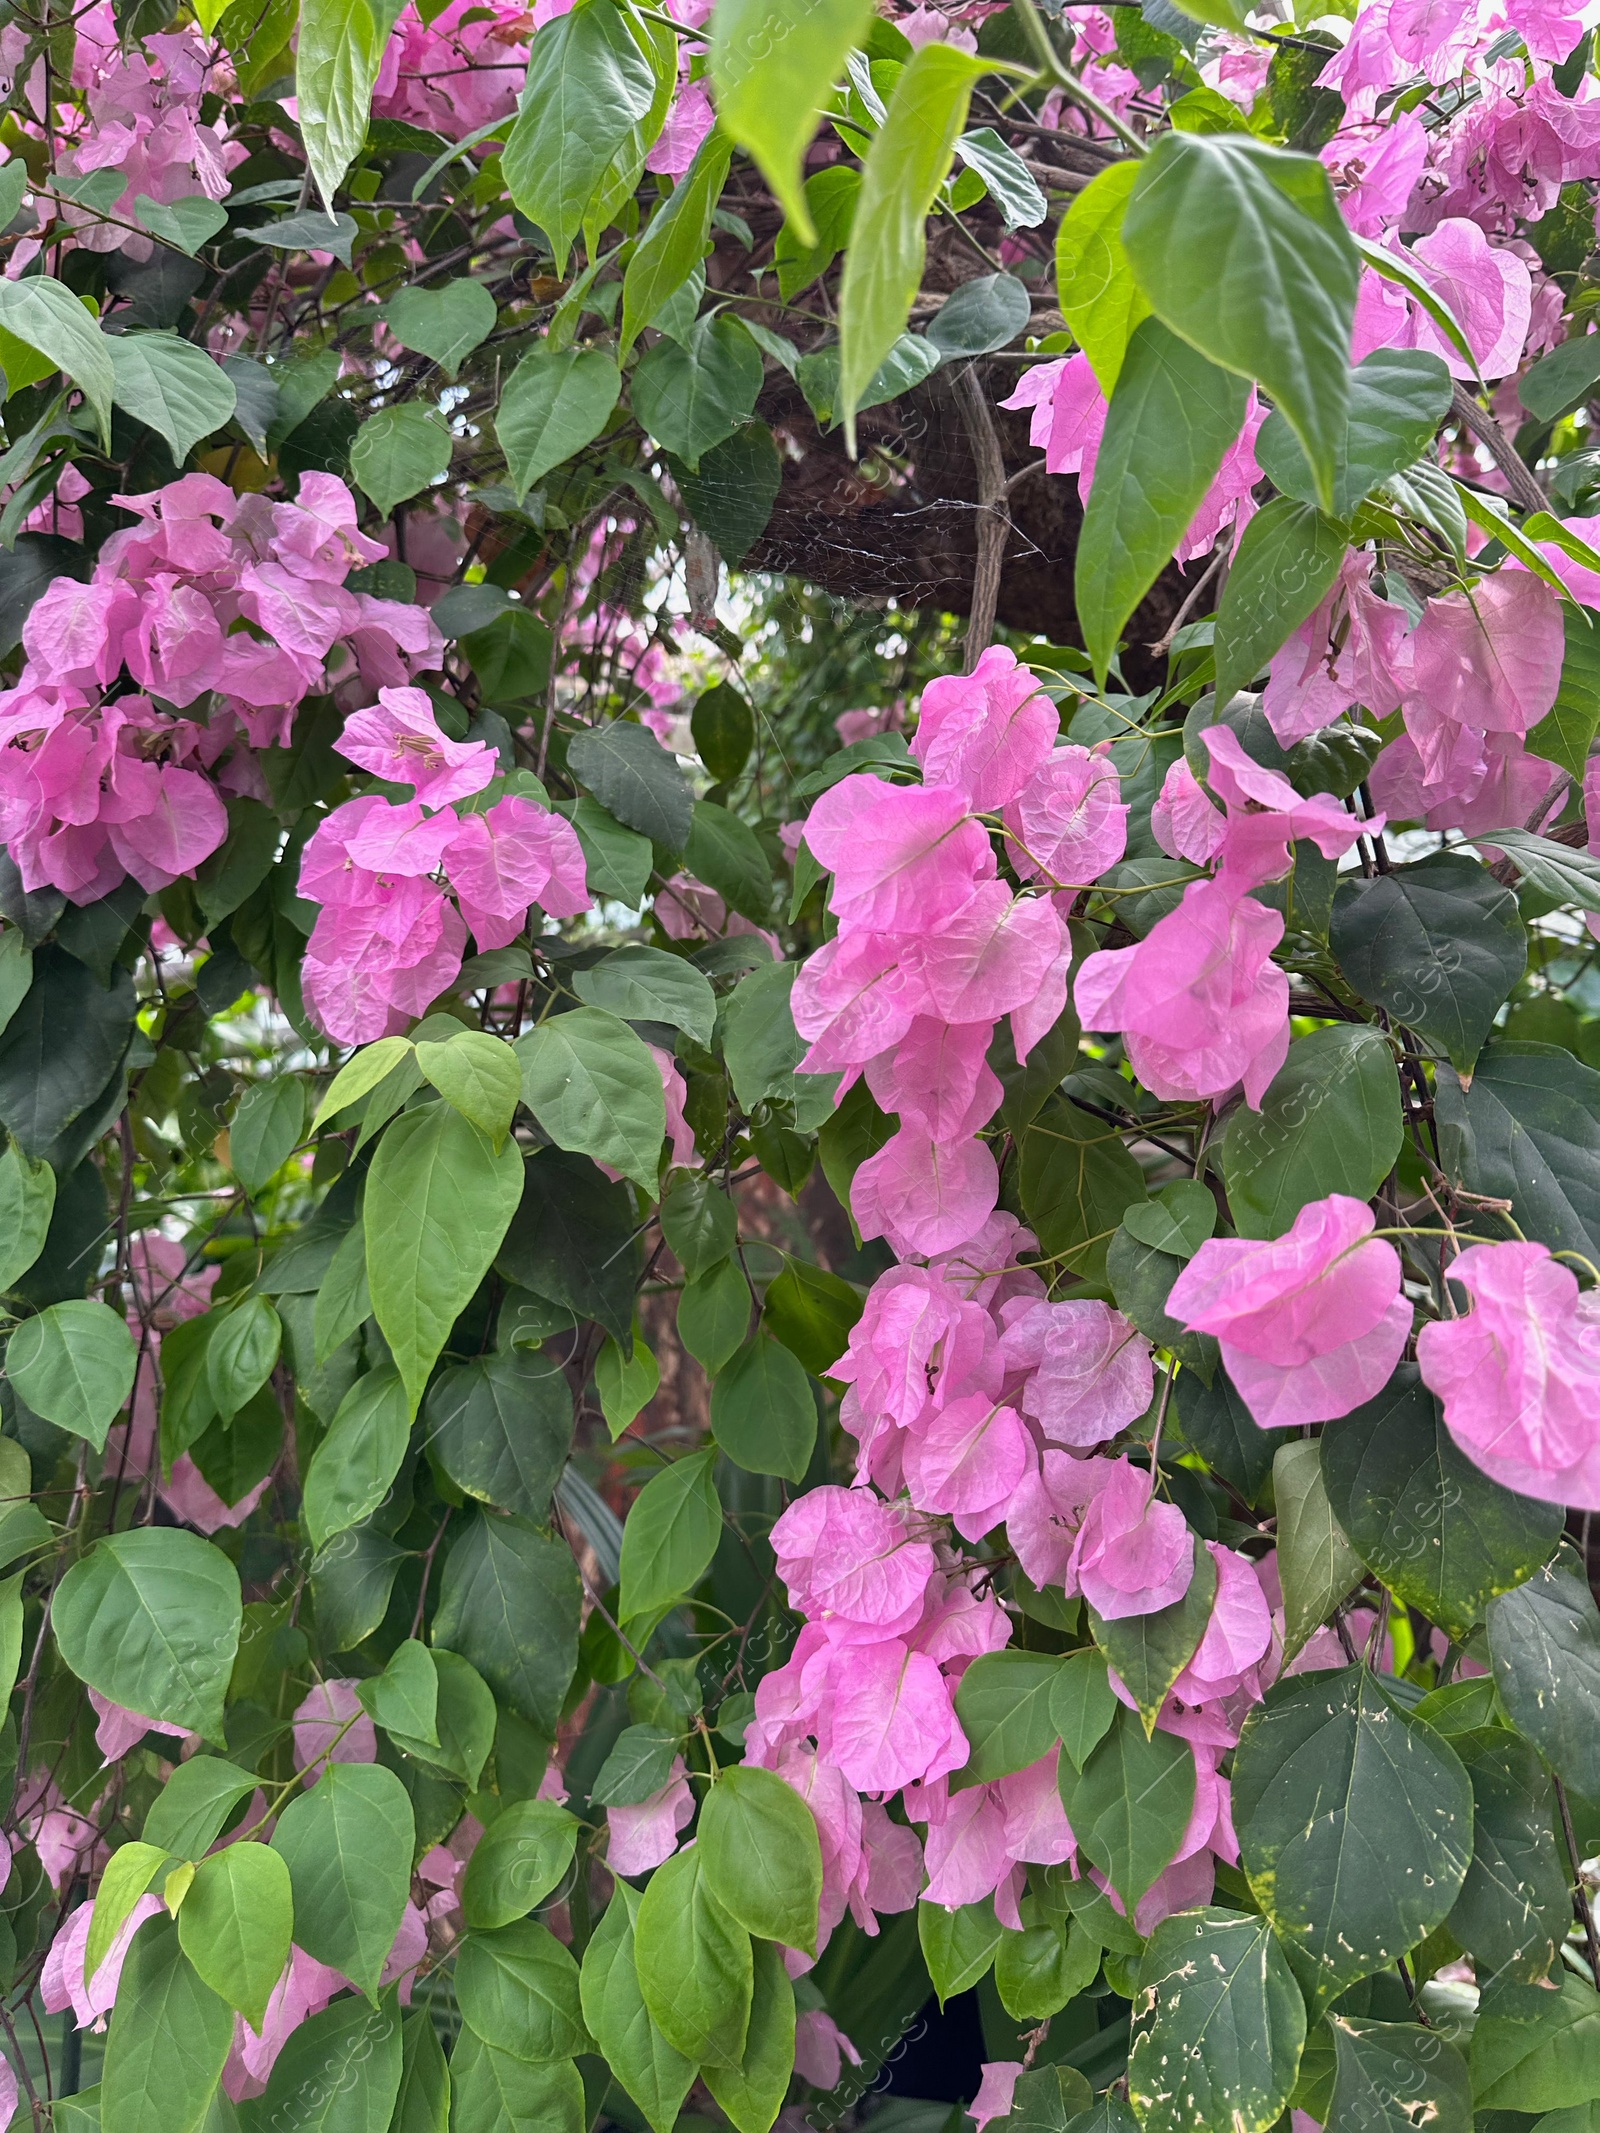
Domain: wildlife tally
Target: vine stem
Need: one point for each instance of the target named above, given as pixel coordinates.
(1068, 83)
(1580, 1895)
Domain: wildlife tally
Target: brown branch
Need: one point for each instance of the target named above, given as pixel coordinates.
(1501, 450)
(993, 523)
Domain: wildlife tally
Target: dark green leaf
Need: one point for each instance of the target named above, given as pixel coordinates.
(501, 1427)
(1544, 1641)
(1398, 397)
(1130, 1804)
(1076, 1177)
(1004, 1703)
(1514, 1908)
(631, 774)
(1527, 1130)
(509, 1604)
(763, 1412)
(724, 731)
(812, 1312)
(1149, 1652)
(1289, 556)
(726, 854)
(338, 2073)
(445, 322)
(348, 1845)
(1316, 1562)
(491, 2092)
(981, 315)
(1223, 1431)
(1219, 2025)
(1082, 1704)
(1393, 2077)
(168, 2042)
(649, 985)
(61, 1047)
(571, 1240)
(1329, 1122)
(1536, 2050)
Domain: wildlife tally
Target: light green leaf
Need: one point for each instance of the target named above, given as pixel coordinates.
(398, 451)
(675, 239)
(241, 1353)
(626, 1384)
(1536, 2050)
(359, 1076)
(338, 52)
(1241, 250)
(714, 1315)
(1219, 2026)
(479, 1074)
(27, 1200)
(1171, 420)
(905, 166)
(46, 314)
(1100, 300)
(338, 2073)
(1565, 733)
(670, 1536)
(594, 1088)
(1082, 1704)
(177, 388)
(170, 2038)
(193, 1805)
(266, 1128)
(446, 322)
(517, 1988)
(353, 1468)
(439, 1200)
(774, 64)
(1004, 1705)
(187, 223)
(74, 1364)
(752, 2093)
(524, 1854)
(588, 84)
(554, 403)
(763, 1412)
(1012, 185)
(958, 1946)
(657, 2077)
(151, 1619)
(762, 1858)
(129, 1873)
(236, 1924)
(404, 1698)
(696, 1970)
(348, 1845)
(493, 2093)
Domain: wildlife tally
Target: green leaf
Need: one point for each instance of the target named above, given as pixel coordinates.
(1439, 944)
(1317, 1564)
(422, 2102)
(1012, 185)
(571, 1240)
(517, 1988)
(398, 451)
(74, 1364)
(986, 313)
(1241, 250)
(696, 1969)
(1561, 380)
(1181, 1217)
(958, 1946)
(1566, 732)
(635, 779)
(763, 1412)
(1149, 1652)
(338, 52)
(588, 84)
(691, 394)
(714, 1315)
(1439, 1533)
(354, 1467)
(174, 386)
(501, 1428)
(193, 1805)
(1082, 1704)
(594, 1088)
(774, 64)
(812, 1312)
(1536, 2050)
(1100, 300)
(236, 1924)
(1171, 420)
(1289, 556)
(465, 1722)
(657, 2077)
(338, 2073)
(1048, 2099)
(699, 1222)
(1355, 1825)
(348, 1844)
(45, 313)
(509, 1603)
(1037, 1971)
(151, 1619)
(626, 1384)
(1004, 1702)
(758, 1037)
(479, 1074)
(639, 1765)
(129, 1873)
(1544, 1643)
(188, 223)
(724, 730)
(752, 2093)
(648, 985)
(907, 163)
(27, 1201)
(1130, 1804)
(524, 1854)
(1394, 2076)
(554, 403)
(352, 1580)
(61, 1046)
(493, 2093)
(170, 2038)
(1566, 876)
(1218, 2026)
(1076, 1178)
(726, 854)
(1514, 1908)
(438, 1202)
(670, 1536)
(1398, 397)
(446, 322)
(1528, 1130)
(404, 1698)
(1329, 1122)
(761, 1856)
(266, 1129)
(241, 1353)
(675, 239)
(359, 1076)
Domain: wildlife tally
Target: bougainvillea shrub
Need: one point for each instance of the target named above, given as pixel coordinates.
(726, 1315)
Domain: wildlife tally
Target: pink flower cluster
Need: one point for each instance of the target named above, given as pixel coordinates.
(933, 947)
(401, 886)
(232, 604)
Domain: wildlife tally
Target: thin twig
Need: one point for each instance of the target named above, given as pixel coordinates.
(1580, 1895)
(993, 523)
